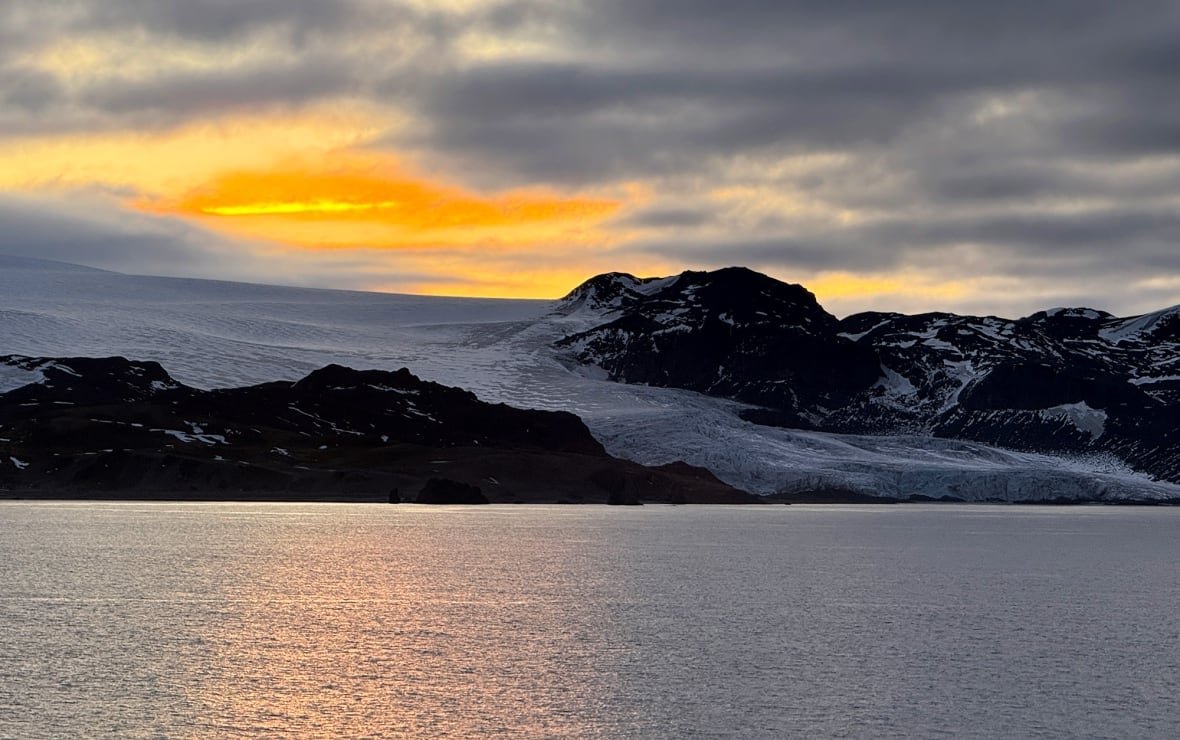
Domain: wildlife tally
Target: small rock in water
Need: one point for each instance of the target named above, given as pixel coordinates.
(447, 491)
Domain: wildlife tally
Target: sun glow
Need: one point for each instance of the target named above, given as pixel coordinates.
(320, 206)
(160, 163)
(371, 200)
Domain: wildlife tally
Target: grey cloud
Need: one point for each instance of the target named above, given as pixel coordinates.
(180, 96)
(1005, 180)
(1128, 122)
(695, 79)
(1144, 231)
(668, 218)
(564, 123)
(305, 50)
(93, 233)
(1018, 242)
(806, 252)
(27, 89)
(217, 20)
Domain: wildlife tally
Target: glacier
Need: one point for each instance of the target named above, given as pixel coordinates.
(211, 334)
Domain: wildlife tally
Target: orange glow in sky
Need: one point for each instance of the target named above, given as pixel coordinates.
(369, 201)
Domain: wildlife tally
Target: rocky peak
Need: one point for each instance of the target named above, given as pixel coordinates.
(611, 291)
(1157, 326)
(1068, 323)
(736, 296)
(731, 332)
(88, 380)
(338, 377)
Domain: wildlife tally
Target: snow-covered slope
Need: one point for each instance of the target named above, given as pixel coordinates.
(218, 334)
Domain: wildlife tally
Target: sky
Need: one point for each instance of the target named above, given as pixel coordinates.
(987, 157)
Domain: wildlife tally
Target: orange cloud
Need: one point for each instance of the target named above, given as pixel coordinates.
(358, 200)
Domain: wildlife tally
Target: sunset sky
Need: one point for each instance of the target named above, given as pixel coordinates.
(991, 157)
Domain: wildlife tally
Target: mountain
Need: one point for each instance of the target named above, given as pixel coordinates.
(114, 427)
(1068, 381)
(214, 335)
(733, 333)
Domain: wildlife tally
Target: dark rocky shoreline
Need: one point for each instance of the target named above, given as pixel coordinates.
(112, 428)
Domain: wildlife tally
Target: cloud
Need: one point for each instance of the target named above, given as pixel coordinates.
(92, 231)
(218, 20)
(669, 217)
(1002, 141)
(27, 89)
(182, 96)
(671, 81)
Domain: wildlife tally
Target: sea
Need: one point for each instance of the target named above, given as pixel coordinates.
(216, 620)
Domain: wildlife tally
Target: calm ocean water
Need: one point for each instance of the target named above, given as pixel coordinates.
(245, 620)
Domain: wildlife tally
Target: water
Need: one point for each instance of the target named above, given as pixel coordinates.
(224, 620)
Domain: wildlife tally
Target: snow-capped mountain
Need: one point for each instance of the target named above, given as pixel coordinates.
(733, 333)
(1067, 381)
(211, 334)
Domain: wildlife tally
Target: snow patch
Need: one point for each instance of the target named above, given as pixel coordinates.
(62, 367)
(12, 377)
(894, 383)
(854, 337)
(207, 439)
(1153, 381)
(1134, 328)
(1089, 420)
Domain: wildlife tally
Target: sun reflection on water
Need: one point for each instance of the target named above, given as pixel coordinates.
(442, 634)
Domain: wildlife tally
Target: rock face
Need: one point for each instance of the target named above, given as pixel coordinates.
(114, 427)
(733, 333)
(1072, 380)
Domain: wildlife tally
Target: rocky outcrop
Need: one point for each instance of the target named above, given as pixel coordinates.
(112, 427)
(733, 333)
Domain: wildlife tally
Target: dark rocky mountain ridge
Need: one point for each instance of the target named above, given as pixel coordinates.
(1072, 381)
(112, 427)
(732, 333)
